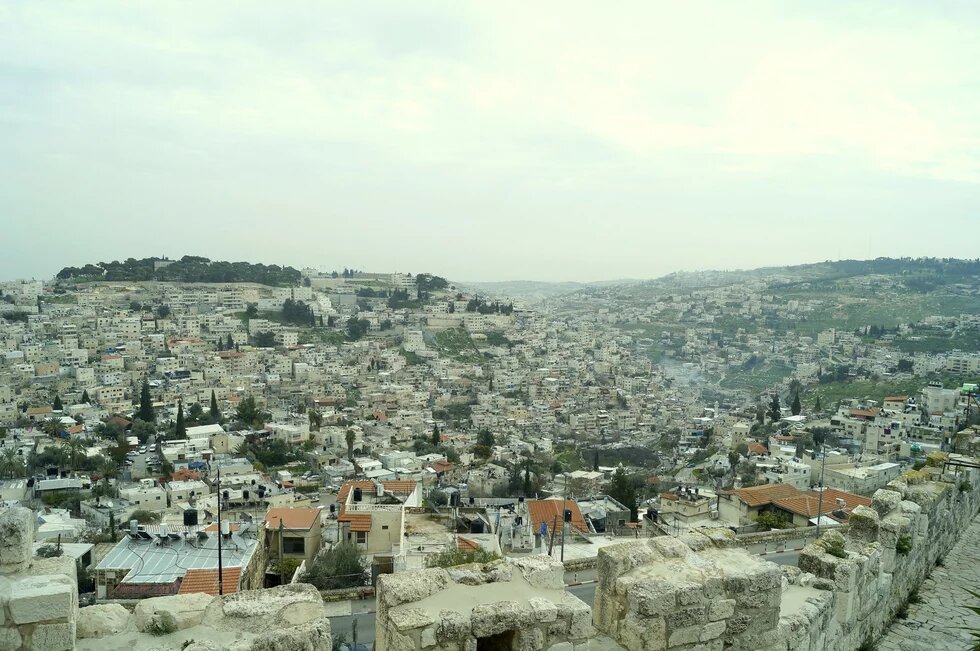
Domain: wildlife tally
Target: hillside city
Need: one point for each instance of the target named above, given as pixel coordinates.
(192, 427)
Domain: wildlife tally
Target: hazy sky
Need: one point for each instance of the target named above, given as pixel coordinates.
(488, 141)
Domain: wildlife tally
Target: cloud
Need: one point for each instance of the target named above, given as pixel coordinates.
(485, 120)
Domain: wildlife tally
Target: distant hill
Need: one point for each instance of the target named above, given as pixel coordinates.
(189, 269)
(533, 290)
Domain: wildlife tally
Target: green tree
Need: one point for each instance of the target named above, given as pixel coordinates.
(163, 311)
(249, 413)
(622, 490)
(775, 411)
(436, 436)
(229, 343)
(143, 430)
(349, 437)
(145, 517)
(57, 406)
(796, 407)
(251, 310)
(485, 438)
(85, 399)
(816, 404)
(11, 464)
(595, 461)
(342, 566)
(215, 412)
(180, 430)
(452, 557)
(112, 526)
(760, 414)
(769, 520)
(145, 411)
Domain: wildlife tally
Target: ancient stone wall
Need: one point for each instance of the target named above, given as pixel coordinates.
(698, 592)
(889, 550)
(38, 597)
(517, 604)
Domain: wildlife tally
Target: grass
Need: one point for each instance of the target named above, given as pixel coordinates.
(833, 392)
(757, 379)
(458, 344)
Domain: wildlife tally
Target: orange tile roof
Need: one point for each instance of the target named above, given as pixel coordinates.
(762, 495)
(358, 521)
(292, 518)
(896, 398)
(808, 504)
(466, 545)
(547, 510)
(184, 474)
(207, 581)
(757, 448)
(400, 485)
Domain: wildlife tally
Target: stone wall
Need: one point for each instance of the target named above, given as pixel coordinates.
(38, 597)
(515, 604)
(889, 549)
(698, 591)
(695, 591)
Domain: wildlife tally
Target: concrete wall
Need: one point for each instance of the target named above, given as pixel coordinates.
(38, 597)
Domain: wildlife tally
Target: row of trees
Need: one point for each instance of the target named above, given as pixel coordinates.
(189, 269)
(481, 306)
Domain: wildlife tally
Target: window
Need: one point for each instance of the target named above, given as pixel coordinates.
(384, 527)
(361, 537)
(293, 545)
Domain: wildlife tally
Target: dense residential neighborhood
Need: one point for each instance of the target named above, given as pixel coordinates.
(190, 436)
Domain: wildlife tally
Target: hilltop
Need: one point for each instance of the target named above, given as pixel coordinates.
(188, 269)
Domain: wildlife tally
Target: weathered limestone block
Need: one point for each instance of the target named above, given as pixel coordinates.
(16, 539)
(186, 610)
(493, 618)
(10, 638)
(530, 639)
(452, 625)
(671, 547)
(102, 620)
(310, 636)
(885, 501)
(544, 610)
(53, 637)
(406, 587)
(541, 571)
(865, 523)
(721, 609)
(410, 619)
(580, 619)
(257, 611)
(43, 598)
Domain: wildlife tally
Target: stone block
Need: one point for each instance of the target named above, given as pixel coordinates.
(544, 610)
(187, 610)
(16, 539)
(530, 639)
(408, 619)
(102, 620)
(712, 630)
(885, 501)
(562, 646)
(541, 571)
(10, 638)
(670, 547)
(688, 635)
(43, 598)
(685, 617)
(53, 637)
(452, 625)
(494, 618)
(428, 637)
(722, 609)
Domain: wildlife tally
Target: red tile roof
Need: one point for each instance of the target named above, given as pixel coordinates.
(762, 495)
(358, 521)
(548, 510)
(466, 545)
(292, 518)
(757, 448)
(207, 581)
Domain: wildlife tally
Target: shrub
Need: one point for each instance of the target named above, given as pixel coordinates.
(903, 611)
(452, 557)
(48, 551)
(769, 520)
(915, 597)
(145, 517)
(339, 567)
(868, 645)
(965, 486)
(904, 544)
(936, 458)
(163, 624)
(833, 545)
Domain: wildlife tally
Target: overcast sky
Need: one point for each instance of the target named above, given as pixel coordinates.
(488, 141)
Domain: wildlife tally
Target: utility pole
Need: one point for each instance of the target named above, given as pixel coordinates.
(282, 568)
(220, 584)
(823, 464)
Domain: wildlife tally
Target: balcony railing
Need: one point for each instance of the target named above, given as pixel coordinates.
(366, 507)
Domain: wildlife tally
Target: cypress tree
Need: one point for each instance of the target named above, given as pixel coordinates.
(146, 403)
(229, 344)
(180, 431)
(796, 407)
(215, 412)
(57, 406)
(86, 400)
